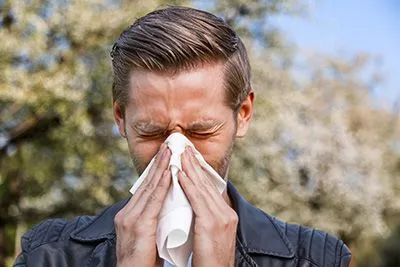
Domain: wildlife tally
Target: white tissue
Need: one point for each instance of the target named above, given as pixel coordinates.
(174, 231)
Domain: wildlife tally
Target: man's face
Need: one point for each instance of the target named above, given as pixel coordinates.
(191, 103)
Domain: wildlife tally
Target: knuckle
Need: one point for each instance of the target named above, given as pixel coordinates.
(163, 182)
(118, 217)
(159, 170)
(225, 222)
(230, 219)
(152, 198)
(150, 187)
(146, 190)
(234, 218)
(125, 224)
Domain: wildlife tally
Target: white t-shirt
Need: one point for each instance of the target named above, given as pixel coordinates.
(167, 264)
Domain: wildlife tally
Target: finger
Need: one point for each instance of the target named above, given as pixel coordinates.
(158, 169)
(199, 177)
(149, 190)
(144, 185)
(156, 201)
(209, 194)
(190, 168)
(158, 160)
(193, 195)
(148, 181)
(138, 200)
(204, 176)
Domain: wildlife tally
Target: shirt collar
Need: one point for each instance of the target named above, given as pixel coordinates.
(257, 231)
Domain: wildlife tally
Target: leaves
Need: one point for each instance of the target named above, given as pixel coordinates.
(320, 152)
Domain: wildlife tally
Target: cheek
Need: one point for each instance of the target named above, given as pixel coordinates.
(213, 150)
(144, 151)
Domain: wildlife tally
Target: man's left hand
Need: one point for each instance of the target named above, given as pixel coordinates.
(215, 222)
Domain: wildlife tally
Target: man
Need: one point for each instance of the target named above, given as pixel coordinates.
(181, 70)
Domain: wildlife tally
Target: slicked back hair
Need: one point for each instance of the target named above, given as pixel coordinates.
(177, 39)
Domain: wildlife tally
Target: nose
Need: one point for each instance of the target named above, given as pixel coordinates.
(177, 129)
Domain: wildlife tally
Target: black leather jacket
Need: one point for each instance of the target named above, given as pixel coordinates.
(261, 241)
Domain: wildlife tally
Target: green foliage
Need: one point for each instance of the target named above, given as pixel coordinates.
(326, 158)
(390, 249)
(319, 152)
(382, 252)
(59, 155)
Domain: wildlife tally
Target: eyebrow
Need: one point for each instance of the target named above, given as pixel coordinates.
(201, 125)
(148, 127)
(204, 125)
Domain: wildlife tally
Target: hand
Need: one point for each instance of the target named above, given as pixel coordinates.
(136, 223)
(215, 222)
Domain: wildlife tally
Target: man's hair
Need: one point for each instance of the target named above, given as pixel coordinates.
(176, 39)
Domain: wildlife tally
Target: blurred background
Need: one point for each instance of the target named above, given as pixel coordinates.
(323, 150)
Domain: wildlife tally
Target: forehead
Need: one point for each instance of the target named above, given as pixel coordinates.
(205, 79)
(195, 93)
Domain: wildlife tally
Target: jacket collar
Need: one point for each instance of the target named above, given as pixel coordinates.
(101, 227)
(257, 232)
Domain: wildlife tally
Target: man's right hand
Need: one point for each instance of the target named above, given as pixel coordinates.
(136, 223)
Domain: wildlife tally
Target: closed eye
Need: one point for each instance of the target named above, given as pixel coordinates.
(148, 131)
(201, 135)
(151, 135)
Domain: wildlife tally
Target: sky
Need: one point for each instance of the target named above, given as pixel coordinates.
(348, 27)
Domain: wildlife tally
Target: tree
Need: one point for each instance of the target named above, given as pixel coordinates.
(327, 158)
(319, 152)
(59, 154)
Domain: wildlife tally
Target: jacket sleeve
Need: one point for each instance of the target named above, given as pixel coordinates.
(345, 256)
(20, 261)
(34, 237)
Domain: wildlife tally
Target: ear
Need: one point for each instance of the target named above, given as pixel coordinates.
(245, 114)
(119, 118)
